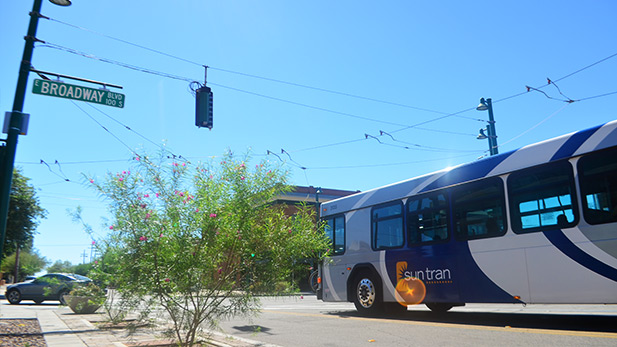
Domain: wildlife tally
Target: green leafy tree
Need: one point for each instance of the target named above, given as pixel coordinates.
(24, 214)
(203, 240)
(30, 262)
(61, 266)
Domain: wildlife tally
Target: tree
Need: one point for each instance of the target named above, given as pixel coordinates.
(30, 262)
(61, 266)
(203, 240)
(24, 214)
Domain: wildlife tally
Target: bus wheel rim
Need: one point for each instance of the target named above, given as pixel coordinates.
(366, 293)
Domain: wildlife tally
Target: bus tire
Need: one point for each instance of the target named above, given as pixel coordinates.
(367, 297)
(439, 307)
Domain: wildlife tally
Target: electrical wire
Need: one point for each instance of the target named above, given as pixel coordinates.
(186, 79)
(255, 76)
(387, 164)
(404, 127)
(104, 128)
(129, 128)
(535, 126)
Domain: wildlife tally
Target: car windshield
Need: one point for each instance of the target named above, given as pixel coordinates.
(81, 278)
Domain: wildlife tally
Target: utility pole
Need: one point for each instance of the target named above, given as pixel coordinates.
(490, 128)
(17, 117)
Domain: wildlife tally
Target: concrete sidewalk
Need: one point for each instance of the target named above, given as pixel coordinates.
(63, 328)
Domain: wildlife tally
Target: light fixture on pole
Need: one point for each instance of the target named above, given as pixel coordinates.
(16, 117)
(61, 2)
(490, 128)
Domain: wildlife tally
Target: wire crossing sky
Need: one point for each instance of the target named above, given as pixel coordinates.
(350, 94)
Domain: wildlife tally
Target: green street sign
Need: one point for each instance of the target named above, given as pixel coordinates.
(73, 92)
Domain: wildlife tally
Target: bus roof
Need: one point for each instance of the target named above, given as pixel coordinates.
(565, 146)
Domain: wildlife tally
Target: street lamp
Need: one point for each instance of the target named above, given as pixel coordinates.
(16, 119)
(490, 128)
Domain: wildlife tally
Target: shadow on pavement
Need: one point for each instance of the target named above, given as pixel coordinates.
(596, 323)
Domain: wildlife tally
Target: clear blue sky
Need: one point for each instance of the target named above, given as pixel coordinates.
(419, 60)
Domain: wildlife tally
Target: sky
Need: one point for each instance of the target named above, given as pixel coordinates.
(357, 94)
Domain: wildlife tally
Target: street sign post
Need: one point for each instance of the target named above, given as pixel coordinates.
(81, 93)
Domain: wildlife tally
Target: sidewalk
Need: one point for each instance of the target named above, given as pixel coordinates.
(63, 328)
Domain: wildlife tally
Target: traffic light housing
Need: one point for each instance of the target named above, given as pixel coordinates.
(203, 107)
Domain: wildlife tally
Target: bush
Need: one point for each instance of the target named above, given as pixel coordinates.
(203, 240)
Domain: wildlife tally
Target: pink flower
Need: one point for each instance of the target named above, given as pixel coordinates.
(143, 238)
(111, 227)
(196, 210)
(242, 178)
(93, 242)
(147, 215)
(167, 280)
(161, 235)
(120, 179)
(157, 195)
(212, 215)
(146, 195)
(220, 270)
(96, 262)
(91, 181)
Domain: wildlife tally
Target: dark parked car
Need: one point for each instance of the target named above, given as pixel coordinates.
(52, 286)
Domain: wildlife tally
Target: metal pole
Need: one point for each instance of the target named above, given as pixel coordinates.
(16, 121)
(492, 134)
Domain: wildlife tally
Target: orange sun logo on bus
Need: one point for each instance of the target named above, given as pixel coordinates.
(410, 290)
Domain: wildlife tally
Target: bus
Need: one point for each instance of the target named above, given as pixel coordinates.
(537, 225)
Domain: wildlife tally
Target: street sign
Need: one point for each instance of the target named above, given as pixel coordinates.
(74, 92)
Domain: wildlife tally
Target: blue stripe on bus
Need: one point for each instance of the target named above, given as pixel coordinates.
(567, 247)
(573, 143)
(465, 173)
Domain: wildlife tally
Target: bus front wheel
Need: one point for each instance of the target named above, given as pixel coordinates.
(367, 297)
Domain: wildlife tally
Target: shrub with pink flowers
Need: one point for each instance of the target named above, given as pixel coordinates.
(204, 239)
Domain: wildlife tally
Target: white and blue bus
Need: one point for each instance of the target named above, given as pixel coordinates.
(535, 225)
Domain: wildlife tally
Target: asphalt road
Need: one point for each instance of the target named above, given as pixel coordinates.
(305, 321)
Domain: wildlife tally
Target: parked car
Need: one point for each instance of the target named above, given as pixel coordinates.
(53, 286)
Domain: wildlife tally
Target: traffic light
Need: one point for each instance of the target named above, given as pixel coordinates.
(203, 107)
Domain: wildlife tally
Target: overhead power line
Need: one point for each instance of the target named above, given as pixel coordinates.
(294, 84)
(187, 79)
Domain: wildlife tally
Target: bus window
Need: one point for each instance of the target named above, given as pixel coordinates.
(479, 209)
(427, 218)
(597, 174)
(335, 231)
(542, 198)
(387, 226)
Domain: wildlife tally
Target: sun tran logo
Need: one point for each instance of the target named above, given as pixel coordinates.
(427, 275)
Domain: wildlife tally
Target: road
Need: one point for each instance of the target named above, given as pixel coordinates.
(305, 321)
